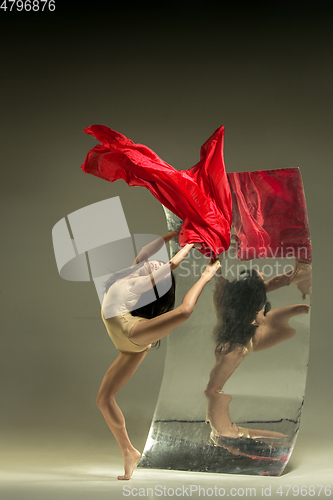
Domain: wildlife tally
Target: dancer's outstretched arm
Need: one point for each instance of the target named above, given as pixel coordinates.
(276, 329)
(141, 284)
(300, 276)
(220, 284)
(153, 247)
(279, 281)
(151, 330)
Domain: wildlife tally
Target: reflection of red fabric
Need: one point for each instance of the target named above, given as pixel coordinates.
(269, 214)
(200, 196)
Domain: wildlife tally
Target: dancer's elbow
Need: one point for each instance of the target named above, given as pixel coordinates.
(185, 311)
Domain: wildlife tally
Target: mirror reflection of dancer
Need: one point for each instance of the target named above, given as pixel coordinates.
(245, 324)
(133, 333)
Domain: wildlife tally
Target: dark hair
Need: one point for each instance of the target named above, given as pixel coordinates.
(165, 300)
(238, 307)
(145, 307)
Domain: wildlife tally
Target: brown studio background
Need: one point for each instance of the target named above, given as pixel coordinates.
(166, 77)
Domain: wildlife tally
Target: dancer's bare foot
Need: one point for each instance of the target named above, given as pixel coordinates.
(131, 458)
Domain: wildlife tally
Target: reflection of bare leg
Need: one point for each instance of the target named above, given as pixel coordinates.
(269, 437)
(218, 414)
(217, 402)
(220, 422)
(116, 377)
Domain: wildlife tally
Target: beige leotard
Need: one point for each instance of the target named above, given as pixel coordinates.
(119, 328)
(116, 307)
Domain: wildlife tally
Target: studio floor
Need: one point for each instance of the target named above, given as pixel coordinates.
(77, 468)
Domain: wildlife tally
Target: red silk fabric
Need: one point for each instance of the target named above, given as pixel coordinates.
(266, 208)
(200, 196)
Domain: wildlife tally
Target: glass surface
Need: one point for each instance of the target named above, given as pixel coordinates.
(232, 429)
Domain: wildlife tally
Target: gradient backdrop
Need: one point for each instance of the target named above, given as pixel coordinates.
(166, 74)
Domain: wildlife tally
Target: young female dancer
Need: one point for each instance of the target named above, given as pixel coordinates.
(245, 324)
(133, 335)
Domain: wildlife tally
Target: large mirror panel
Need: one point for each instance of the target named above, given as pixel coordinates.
(235, 372)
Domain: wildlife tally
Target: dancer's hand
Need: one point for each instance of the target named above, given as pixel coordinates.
(180, 256)
(212, 267)
(302, 277)
(154, 246)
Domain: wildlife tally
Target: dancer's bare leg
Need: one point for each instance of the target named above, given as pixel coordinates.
(149, 331)
(115, 378)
